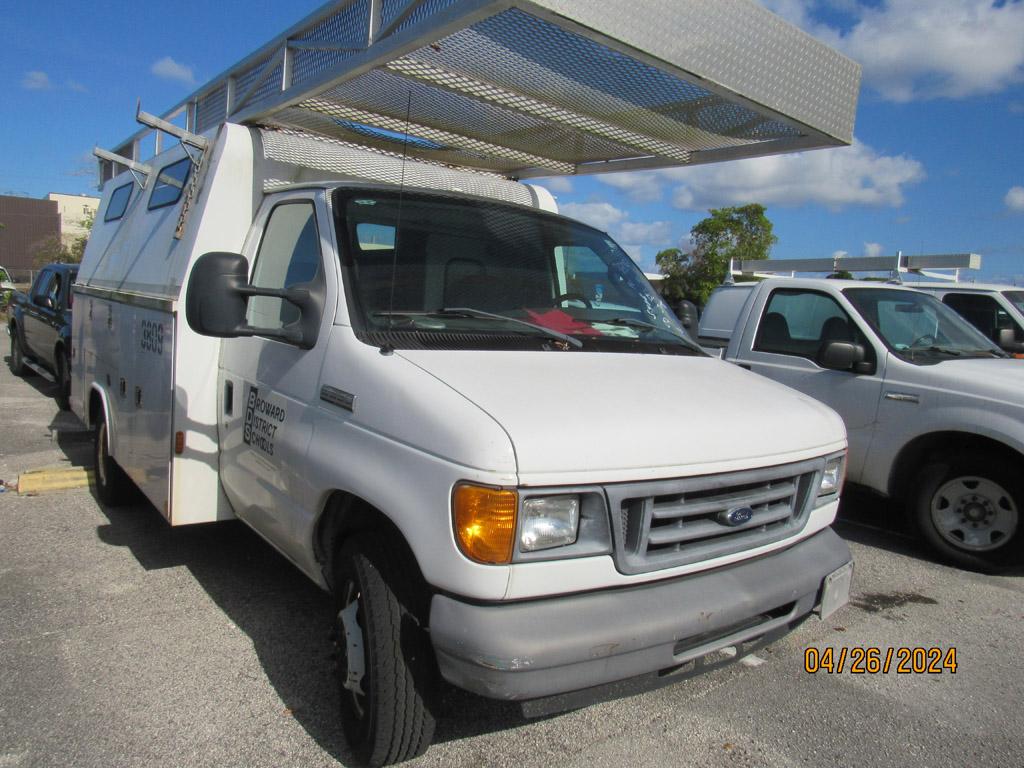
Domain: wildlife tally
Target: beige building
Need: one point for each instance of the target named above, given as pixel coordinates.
(73, 210)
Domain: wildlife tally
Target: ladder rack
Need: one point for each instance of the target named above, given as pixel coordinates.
(897, 265)
(527, 88)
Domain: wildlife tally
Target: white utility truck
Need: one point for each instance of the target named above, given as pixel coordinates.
(933, 409)
(995, 310)
(330, 309)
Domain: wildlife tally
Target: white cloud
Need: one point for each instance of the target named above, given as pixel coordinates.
(650, 233)
(1015, 199)
(77, 87)
(1016, 107)
(924, 49)
(36, 81)
(873, 249)
(169, 69)
(642, 187)
(559, 184)
(836, 178)
(603, 216)
(840, 254)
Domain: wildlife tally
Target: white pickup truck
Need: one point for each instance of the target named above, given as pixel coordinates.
(933, 409)
(995, 310)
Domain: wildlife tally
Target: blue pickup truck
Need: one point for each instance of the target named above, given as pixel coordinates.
(40, 327)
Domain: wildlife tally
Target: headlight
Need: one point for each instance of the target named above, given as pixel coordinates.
(832, 477)
(549, 521)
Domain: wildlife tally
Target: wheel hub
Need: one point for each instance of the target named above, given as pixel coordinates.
(974, 513)
(355, 661)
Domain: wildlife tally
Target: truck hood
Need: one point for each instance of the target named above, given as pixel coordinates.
(635, 415)
(986, 378)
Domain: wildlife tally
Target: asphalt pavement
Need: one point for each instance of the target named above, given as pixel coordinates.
(124, 642)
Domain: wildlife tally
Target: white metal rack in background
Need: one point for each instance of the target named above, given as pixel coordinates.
(526, 88)
(897, 266)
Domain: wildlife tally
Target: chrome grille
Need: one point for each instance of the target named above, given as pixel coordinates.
(668, 523)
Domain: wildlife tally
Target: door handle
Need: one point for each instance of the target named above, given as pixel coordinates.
(229, 398)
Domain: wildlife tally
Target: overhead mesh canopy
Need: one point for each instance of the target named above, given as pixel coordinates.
(542, 88)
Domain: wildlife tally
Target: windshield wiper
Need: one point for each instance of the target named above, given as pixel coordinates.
(938, 349)
(643, 325)
(482, 315)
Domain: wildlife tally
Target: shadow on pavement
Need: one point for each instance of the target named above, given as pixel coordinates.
(285, 615)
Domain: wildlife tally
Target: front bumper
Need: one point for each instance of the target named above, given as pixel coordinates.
(544, 648)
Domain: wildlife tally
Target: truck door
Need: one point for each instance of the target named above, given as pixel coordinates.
(268, 387)
(792, 327)
(33, 319)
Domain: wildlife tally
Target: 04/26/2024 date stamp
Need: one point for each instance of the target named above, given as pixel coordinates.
(874, 660)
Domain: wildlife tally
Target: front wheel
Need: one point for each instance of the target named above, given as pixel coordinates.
(968, 510)
(385, 666)
(17, 359)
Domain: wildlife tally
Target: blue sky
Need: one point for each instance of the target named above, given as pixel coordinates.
(937, 165)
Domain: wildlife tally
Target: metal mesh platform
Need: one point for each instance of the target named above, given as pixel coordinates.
(541, 88)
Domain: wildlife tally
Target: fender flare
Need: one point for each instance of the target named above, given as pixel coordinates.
(105, 402)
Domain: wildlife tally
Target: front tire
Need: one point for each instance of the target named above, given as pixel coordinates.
(17, 359)
(112, 485)
(385, 663)
(969, 511)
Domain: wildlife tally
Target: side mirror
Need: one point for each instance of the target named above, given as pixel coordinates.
(218, 295)
(841, 356)
(687, 313)
(1008, 341)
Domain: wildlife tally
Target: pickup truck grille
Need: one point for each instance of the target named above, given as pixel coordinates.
(668, 523)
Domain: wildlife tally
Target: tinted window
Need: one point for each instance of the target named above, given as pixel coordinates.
(42, 284)
(289, 255)
(169, 184)
(119, 202)
(984, 313)
(800, 322)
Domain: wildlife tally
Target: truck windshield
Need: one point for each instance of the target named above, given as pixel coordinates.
(1016, 298)
(918, 327)
(427, 270)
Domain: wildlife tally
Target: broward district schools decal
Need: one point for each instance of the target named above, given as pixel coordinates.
(263, 415)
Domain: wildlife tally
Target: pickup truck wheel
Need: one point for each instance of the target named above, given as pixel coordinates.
(63, 380)
(112, 484)
(968, 510)
(385, 665)
(17, 359)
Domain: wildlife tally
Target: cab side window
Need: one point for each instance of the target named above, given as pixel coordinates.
(289, 256)
(53, 292)
(984, 313)
(41, 287)
(800, 322)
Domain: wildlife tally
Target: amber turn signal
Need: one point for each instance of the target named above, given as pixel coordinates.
(485, 522)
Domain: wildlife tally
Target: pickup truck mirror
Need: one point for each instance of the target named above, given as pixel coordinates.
(842, 356)
(1008, 341)
(218, 295)
(43, 301)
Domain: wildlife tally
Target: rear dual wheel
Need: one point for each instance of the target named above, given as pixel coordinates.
(969, 511)
(112, 485)
(385, 660)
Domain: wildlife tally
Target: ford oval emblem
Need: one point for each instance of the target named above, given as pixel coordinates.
(735, 516)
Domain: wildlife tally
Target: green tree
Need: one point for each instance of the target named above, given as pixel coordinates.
(53, 249)
(741, 232)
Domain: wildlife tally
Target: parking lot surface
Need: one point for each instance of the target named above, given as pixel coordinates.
(126, 642)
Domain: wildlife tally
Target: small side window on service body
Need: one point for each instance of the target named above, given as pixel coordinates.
(170, 183)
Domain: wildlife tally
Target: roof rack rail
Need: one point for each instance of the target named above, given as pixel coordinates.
(528, 88)
(898, 265)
